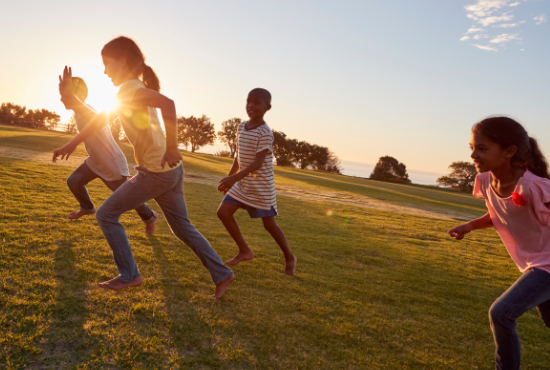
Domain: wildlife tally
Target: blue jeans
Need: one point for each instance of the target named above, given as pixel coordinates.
(83, 175)
(532, 289)
(167, 190)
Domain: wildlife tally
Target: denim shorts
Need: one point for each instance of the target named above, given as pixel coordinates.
(253, 212)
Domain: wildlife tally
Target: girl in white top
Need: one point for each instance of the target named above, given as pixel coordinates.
(106, 162)
(139, 97)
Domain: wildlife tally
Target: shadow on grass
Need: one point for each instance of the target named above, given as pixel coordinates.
(66, 338)
(192, 336)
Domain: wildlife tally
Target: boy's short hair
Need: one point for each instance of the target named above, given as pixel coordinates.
(79, 88)
(265, 94)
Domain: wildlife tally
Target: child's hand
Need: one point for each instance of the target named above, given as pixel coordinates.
(65, 83)
(172, 157)
(226, 183)
(459, 231)
(67, 150)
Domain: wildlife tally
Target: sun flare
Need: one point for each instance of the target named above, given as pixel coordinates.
(101, 92)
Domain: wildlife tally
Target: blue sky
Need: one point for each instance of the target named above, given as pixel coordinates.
(364, 78)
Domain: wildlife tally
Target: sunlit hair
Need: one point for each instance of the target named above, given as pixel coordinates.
(80, 89)
(125, 47)
(263, 92)
(507, 132)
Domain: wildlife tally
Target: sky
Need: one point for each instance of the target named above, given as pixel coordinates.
(363, 78)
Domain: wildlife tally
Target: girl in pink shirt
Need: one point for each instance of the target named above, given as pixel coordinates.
(514, 181)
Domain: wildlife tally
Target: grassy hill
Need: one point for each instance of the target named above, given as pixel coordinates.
(373, 290)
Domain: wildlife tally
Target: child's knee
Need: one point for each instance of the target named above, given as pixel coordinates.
(103, 215)
(269, 223)
(222, 215)
(72, 182)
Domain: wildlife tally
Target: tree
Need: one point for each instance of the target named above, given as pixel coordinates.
(223, 153)
(117, 131)
(461, 176)
(302, 153)
(389, 169)
(70, 128)
(282, 148)
(196, 132)
(228, 134)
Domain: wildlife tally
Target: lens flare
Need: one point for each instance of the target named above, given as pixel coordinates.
(329, 212)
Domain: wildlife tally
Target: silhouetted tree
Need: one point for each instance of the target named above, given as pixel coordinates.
(282, 149)
(461, 176)
(117, 131)
(228, 134)
(196, 132)
(389, 169)
(223, 153)
(71, 127)
(302, 154)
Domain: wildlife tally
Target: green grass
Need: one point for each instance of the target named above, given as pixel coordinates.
(374, 289)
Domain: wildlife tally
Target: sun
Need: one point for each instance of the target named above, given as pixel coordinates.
(101, 92)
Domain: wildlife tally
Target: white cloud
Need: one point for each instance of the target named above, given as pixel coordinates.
(540, 19)
(479, 37)
(495, 19)
(489, 48)
(505, 37)
(484, 8)
(474, 30)
(506, 25)
(464, 38)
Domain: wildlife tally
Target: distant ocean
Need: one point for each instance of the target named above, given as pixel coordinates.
(364, 170)
(353, 168)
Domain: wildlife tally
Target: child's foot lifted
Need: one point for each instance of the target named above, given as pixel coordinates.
(150, 227)
(240, 257)
(116, 284)
(290, 266)
(77, 214)
(222, 287)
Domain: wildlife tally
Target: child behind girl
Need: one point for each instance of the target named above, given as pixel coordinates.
(514, 181)
(106, 162)
(124, 65)
(250, 184)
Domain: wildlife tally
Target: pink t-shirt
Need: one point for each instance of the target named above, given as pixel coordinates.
(524, 230)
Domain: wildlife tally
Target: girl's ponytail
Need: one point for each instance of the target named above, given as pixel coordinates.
(125, 47)
(150, 78)
(507, 132)
(538, 164)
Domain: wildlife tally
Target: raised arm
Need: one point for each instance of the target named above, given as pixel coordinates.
(94, 120)
(151, 98)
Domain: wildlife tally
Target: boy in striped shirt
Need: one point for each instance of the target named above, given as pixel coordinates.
(253, 187)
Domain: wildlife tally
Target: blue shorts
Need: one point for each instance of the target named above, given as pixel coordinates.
(253, 212)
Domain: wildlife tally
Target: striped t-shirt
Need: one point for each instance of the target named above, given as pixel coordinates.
(258, 188)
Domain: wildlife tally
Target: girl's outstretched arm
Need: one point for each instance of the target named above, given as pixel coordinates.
(479, 223)
(152, 98)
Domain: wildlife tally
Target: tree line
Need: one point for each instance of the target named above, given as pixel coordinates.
(42, 119)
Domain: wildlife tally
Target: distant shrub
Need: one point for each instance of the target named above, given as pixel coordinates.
(223, 153)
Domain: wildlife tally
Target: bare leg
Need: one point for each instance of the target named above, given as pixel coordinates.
(290, 261)
(150, 227)
(225, 214)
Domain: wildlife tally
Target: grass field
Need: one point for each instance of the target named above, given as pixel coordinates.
(373, 290)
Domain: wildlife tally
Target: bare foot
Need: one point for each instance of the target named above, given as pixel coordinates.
(240, 257)
(150, 227)
(222, 287)
(290, 266)
(116, 284)
(77, 214)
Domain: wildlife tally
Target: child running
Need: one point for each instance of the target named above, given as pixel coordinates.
(106, 162)
(138, 100)
(253, 187)
(514, 181)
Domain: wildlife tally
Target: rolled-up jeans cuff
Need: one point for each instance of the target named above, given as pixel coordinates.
(152, 219)
(87, 211)
(119, 277)
(218, 280)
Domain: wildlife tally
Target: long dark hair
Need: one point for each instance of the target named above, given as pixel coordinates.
(125, 47)
(506, 132)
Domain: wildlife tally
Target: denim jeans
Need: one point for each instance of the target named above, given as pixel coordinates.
(83, 175)
(532, 289)
(167, 190)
